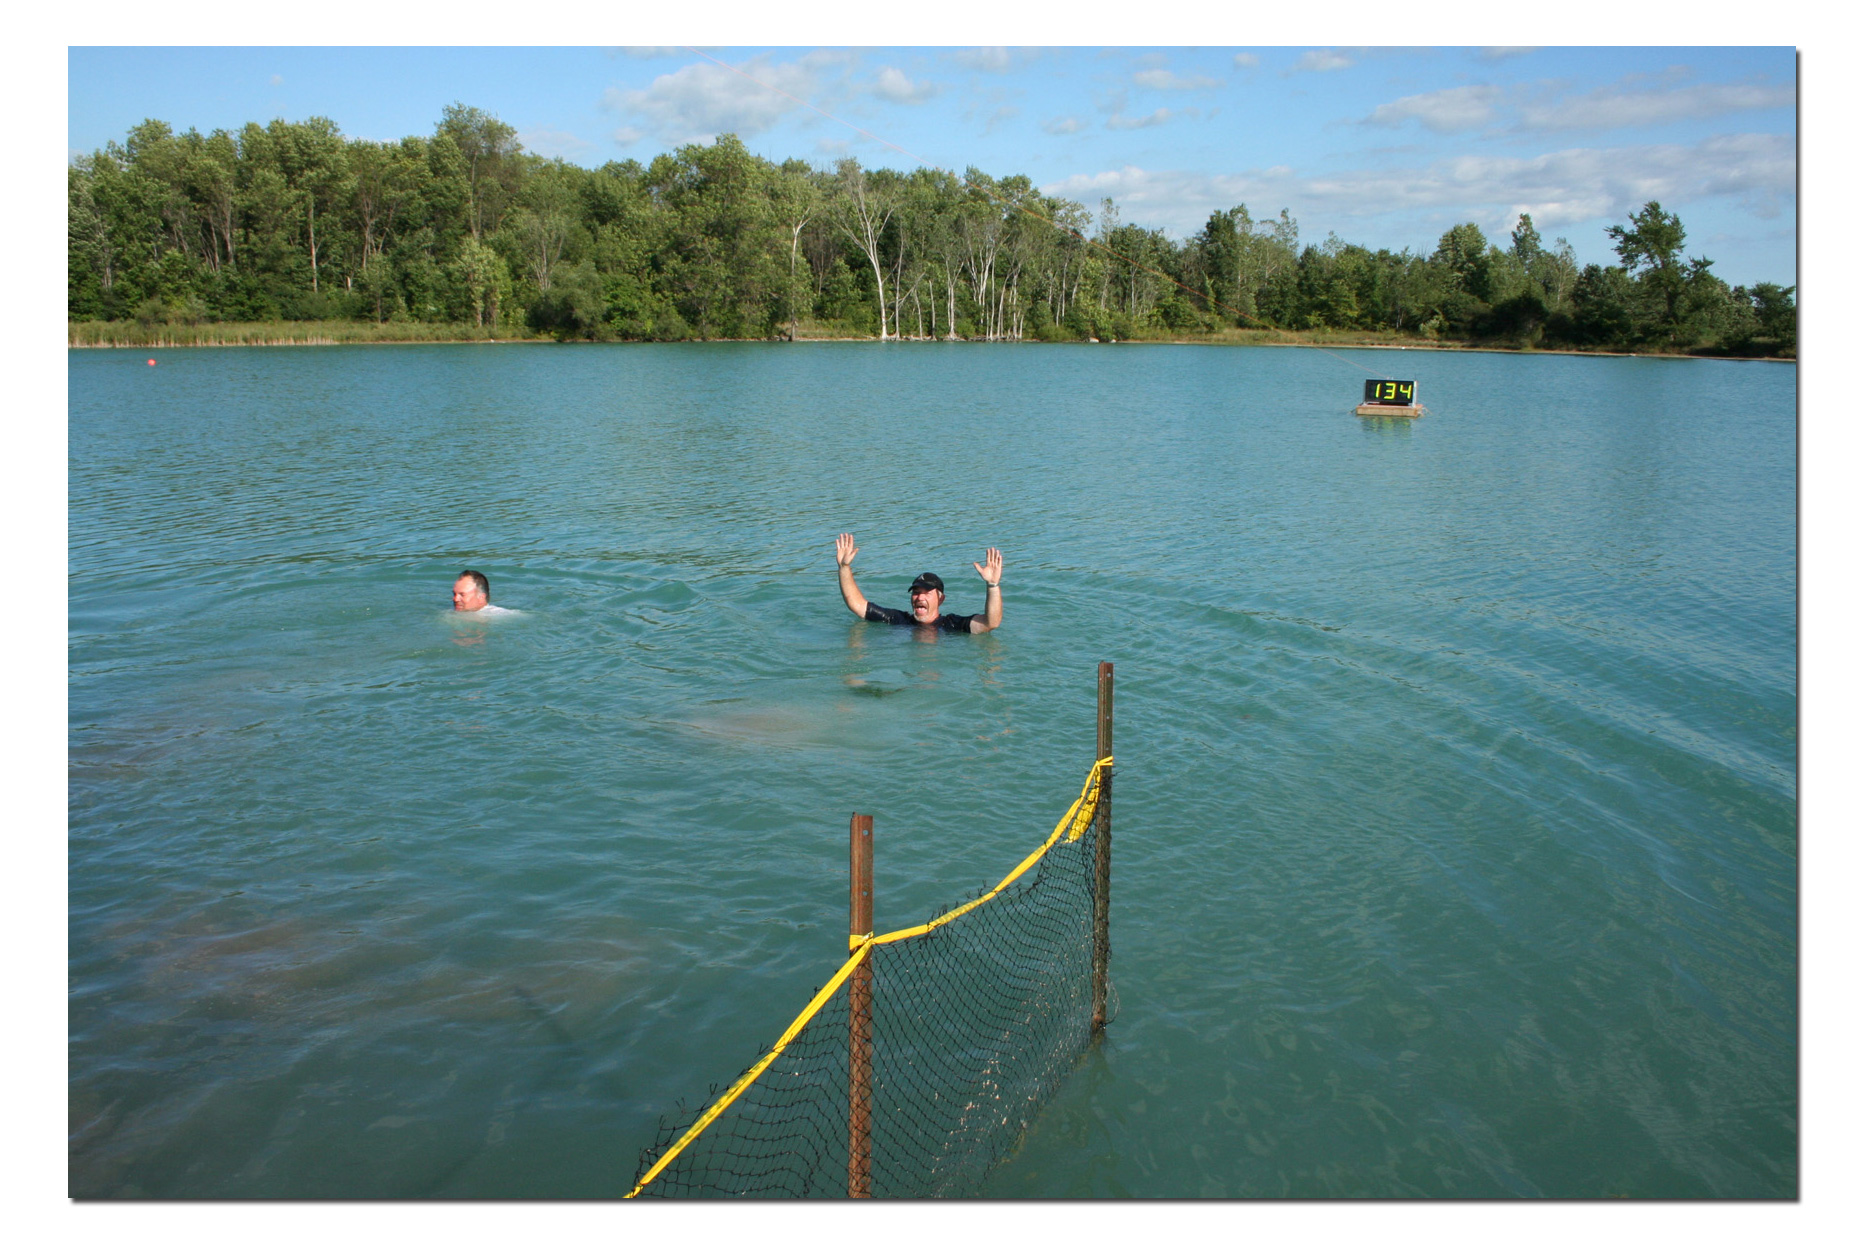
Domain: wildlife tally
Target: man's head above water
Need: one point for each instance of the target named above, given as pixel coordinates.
(925, 597)
(471, 591)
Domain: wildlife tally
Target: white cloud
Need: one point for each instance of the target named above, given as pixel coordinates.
(1503, 53)
(1764, 207)
(1579, 184)
(698, 102)
(1321, 61)
(895, 87)
(1168, 198)
(1446, 112)
(984, 60)
(1245, 60)
(548, 142)
(1615, 108)
(1166, 80)
(1158, 116)
(1003, 114)
(1558, 189)
(276, 80)
(1064, 125)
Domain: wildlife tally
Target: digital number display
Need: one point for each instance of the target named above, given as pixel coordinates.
(1391, 393)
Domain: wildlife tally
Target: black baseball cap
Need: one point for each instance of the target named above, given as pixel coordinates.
(927, 580)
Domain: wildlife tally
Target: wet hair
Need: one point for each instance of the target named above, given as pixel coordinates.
(479, 581)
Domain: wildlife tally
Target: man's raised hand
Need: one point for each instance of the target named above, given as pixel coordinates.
(993, 568)
(845, 551)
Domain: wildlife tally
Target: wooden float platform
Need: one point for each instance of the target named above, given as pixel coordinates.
(1377, 408)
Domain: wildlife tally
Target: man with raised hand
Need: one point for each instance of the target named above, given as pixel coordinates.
(925, 596)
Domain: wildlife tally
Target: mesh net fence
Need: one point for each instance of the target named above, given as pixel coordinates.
(968, 1024)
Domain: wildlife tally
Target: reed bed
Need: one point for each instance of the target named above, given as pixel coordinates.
(132, 335)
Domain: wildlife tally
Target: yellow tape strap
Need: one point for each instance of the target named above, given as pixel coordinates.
(744, 1082)
(1078, 815)
(1087, 813)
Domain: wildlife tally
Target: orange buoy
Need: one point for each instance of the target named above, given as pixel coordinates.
(152, 362)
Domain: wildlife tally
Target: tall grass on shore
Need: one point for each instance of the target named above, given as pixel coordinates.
(129, 333)
(133, 335)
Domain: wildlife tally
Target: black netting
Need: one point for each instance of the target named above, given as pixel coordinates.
(973, 1025)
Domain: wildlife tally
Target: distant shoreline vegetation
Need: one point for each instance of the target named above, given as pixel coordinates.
(128, 335)
(291, 233)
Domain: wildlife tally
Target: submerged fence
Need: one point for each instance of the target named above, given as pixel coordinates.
(922, 1059)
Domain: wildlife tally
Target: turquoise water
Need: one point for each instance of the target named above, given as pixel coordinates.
(1455, 828)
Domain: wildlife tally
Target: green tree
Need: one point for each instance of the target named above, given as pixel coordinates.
(1604, 306)
(315, 166)
(488, 149)
(1555, 272)
(90, 265)
(724, 256)
(211, 172)
(1465, 254)
(574, 305)
(479, 267)
(796, 199)
(1652, 250)
(386, 184)
(1778, 316)
(544, 221)
(1525, 242)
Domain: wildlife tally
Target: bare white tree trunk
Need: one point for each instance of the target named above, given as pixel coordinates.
(880, 294)
(790, 292)
(864, 223)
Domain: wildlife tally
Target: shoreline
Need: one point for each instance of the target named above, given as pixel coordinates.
(267, 335)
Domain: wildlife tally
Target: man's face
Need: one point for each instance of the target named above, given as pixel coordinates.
(925, 602)
(467, 596)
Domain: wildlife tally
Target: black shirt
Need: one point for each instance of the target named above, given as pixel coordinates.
(900, 617)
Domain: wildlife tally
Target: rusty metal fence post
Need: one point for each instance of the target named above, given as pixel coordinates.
(860, 1015)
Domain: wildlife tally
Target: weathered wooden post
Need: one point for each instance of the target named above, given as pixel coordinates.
(1103, 839)
(860, 1017)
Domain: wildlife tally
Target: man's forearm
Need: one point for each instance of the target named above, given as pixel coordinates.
(993, 605)
(851, 595)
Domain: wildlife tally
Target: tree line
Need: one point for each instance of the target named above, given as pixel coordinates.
(294, 221)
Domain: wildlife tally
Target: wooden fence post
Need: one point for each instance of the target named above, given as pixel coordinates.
(860, 1017)
(1103, 838)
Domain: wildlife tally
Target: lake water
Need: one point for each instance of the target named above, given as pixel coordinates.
(1455, 828)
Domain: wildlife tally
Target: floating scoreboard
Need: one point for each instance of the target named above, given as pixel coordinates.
(1390, 397)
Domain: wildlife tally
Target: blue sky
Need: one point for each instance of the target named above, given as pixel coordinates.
(1384, 146)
